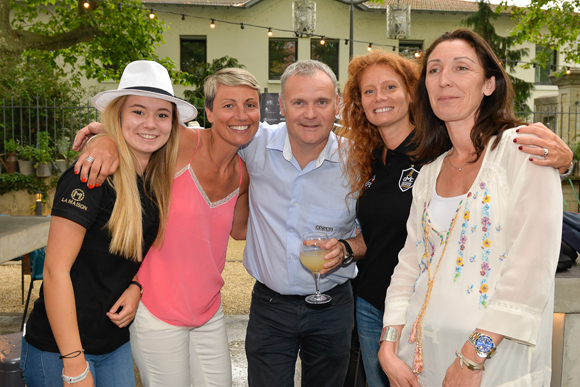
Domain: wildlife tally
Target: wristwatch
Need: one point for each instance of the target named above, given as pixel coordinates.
(349, 254)
(389, 334)
(484, 346)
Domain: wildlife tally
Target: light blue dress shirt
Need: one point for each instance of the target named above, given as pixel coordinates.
(287, 201)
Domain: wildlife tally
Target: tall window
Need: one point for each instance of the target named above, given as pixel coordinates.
(407, 49)
(326, 53)
(193, 52)
(542, 72)
(281, 54)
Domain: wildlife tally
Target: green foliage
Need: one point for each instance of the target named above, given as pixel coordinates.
(96, 43)
(481, 22)
(549, 23)
(26, 152)
(33, 184)
(25, 79)
(43, 154)
(10, 146)
(197, 78)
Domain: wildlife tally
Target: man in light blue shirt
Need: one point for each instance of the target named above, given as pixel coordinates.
(297, 186)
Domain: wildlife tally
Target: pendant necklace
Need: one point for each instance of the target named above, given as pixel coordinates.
(460, 168)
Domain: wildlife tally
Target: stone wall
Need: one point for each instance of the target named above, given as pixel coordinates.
(23, 203)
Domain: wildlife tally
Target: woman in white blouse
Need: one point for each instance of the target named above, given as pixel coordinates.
(476, 276)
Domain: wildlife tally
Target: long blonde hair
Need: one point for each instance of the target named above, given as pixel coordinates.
(126, 222)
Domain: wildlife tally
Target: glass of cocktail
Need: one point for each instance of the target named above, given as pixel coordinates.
(312, 256)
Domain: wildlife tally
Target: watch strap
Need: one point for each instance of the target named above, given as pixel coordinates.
(349, 253)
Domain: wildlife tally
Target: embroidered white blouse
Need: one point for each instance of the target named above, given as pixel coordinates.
(497, 273)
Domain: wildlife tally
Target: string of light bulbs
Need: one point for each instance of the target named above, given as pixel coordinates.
(417, 53)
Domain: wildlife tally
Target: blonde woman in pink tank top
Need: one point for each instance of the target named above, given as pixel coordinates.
(178, 337)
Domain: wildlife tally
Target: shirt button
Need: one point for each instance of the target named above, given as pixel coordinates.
(295, 204)
(294, 284)
(291, 257)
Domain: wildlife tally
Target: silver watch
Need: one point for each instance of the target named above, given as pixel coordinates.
(389, 334)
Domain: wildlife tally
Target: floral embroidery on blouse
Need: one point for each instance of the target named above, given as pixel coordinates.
(462, 240)
(486, 243)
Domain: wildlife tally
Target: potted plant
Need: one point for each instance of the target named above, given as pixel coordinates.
(43, 156)
(11, 159)
(25, 159)
(63, 147)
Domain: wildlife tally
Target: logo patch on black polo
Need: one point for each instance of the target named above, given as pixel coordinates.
(408, 177)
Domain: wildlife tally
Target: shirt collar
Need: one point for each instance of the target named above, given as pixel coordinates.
(281, 142)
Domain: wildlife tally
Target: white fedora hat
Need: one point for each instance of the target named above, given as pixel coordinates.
(148, 79)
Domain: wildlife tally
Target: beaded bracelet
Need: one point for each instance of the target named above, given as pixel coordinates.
(568, 171)
(468, 363)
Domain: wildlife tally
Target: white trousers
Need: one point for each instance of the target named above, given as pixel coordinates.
(168, 355)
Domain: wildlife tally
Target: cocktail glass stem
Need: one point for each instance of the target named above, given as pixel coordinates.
(317, 281)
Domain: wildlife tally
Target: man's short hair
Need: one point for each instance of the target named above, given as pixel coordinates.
(305, 68)
(229, 77)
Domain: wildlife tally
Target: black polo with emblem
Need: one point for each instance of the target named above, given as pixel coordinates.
(382, 211)
(98, 277)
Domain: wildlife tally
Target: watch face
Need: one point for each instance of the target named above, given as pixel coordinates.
(484, 344)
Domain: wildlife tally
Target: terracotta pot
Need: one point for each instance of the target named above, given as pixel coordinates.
(43, 169)
(26, 167)
(11, 163)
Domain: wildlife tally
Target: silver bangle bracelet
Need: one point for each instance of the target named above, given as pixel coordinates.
(568, 171)
(76, 379)
(468, 363)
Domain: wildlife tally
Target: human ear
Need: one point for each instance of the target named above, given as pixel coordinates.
(489, 87)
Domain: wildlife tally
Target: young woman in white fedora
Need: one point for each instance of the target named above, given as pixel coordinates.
(78, 331)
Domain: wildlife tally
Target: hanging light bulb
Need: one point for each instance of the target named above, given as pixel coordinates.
(269, 31)
(152, 14)
(370, 47)
(119, 7)
(86, 4)
(296, 33)
(394, 48)
(212, 24)
(322, 41)
(346, 42)
(568, 71)
(242, 26)
(417, 54)
(182, 16)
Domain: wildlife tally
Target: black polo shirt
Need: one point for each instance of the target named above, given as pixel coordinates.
(98, 277)
(382, 211)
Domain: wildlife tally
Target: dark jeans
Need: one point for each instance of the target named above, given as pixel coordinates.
(280, 327)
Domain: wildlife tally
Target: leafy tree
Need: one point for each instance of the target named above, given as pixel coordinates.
(559, 17)
(481, 22)
(197, 78)
(96, 42)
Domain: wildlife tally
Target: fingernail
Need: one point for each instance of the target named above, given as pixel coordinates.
(531, 159)
(517, 130)
(76, 172)
(83, 180)
(520, 147)
(90, 186)
(97, 185)
(515, 140)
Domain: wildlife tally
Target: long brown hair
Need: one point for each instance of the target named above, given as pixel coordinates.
(364, 136)
(495, 113)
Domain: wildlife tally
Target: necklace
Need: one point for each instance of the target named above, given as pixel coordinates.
(417, 331)
(460, 168)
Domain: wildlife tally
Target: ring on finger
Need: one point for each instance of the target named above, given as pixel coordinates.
(546, 151)
(90, 159)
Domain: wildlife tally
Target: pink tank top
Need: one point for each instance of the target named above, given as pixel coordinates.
(182, 279)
